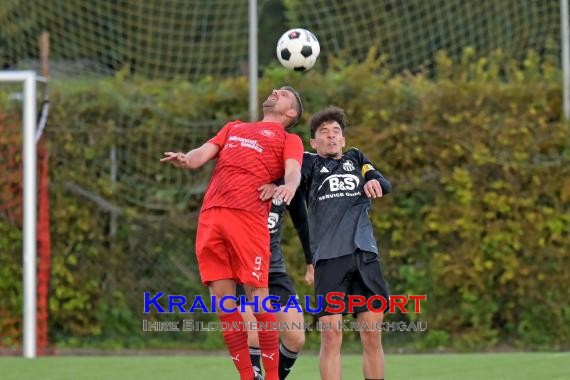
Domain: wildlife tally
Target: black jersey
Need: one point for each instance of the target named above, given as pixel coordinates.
(338, 207)
(275, 220)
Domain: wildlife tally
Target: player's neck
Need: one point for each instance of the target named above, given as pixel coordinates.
(337, 156)
(271, 118)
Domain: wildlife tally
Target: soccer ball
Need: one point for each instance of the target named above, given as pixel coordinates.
(298, 49)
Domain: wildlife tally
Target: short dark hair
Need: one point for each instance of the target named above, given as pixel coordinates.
(328, 115)
(298, 106)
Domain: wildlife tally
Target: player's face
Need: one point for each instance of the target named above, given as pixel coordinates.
(281, 102)
(329, 140)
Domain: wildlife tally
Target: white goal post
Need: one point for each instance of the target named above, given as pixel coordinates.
(29, 80)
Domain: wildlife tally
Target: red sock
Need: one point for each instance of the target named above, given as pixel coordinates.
(269, 344)
(236, 342)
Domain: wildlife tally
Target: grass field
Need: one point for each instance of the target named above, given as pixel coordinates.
(499, 366)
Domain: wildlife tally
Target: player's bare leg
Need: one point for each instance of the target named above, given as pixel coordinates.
(236, 340)
(331, 342)
(268, 338)
(372, 344)
(292, 339)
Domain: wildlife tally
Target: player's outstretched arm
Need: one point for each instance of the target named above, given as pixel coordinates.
(193, 159)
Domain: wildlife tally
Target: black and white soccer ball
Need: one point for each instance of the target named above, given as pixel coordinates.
(298, 49)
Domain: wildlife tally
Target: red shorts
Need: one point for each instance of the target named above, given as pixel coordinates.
(233, 244)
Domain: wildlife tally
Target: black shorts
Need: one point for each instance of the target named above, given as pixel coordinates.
(357, 274)
(280, 285)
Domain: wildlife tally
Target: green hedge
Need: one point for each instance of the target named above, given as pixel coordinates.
(478, 221)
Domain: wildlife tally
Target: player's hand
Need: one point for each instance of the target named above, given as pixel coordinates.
(372, 189)
(284, 193)
(310, 275)
(266, 191)
(175, 158)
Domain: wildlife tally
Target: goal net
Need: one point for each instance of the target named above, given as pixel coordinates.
(193, 38)
(410, 33)
(152, 38)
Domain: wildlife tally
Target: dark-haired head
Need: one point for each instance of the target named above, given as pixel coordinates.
(327, 132)
(326, 116)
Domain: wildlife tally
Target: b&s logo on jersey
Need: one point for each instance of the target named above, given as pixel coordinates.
(348, 166)
(341, 182)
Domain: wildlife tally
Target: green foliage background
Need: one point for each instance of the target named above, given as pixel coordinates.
(479, 219)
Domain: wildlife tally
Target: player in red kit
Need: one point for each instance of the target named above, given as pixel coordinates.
(232, 243)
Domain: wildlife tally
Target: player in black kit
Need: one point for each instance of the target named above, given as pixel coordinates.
(280, 284)
(338, 187)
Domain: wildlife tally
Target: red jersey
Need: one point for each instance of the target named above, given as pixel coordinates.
(251, 155)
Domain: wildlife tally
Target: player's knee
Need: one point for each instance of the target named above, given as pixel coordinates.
(222, 288)
(229, 304)
(294, 341)
(331, 339)
(371, 340)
